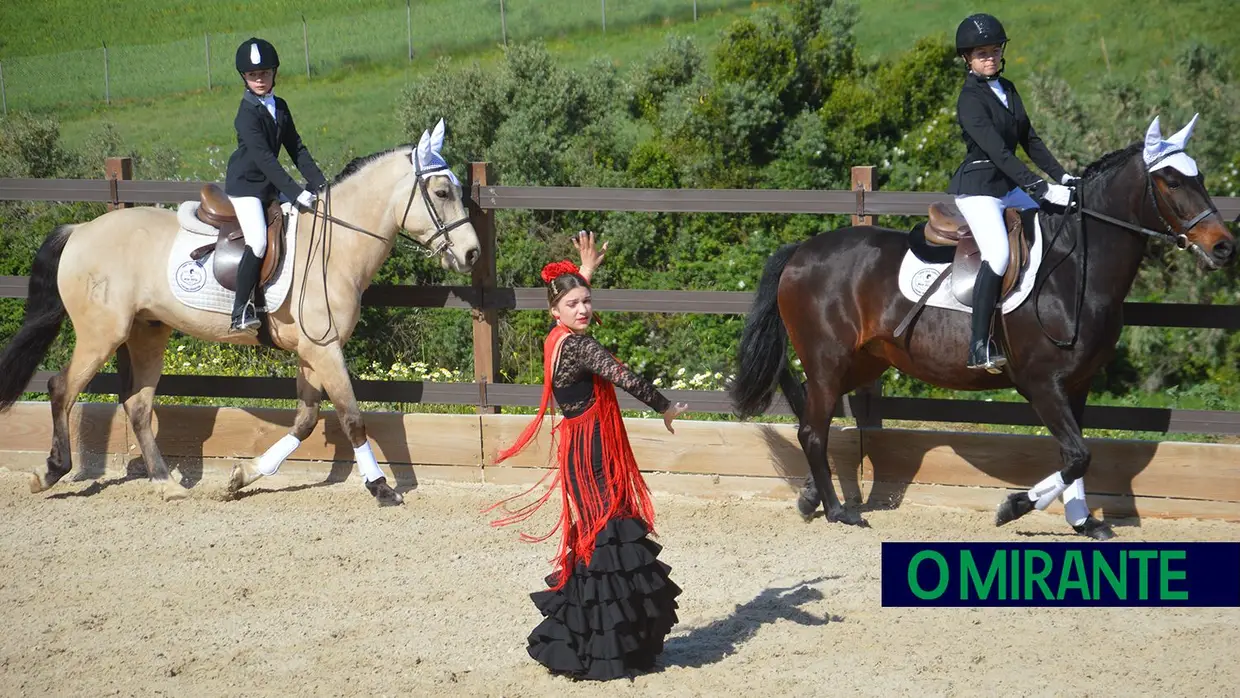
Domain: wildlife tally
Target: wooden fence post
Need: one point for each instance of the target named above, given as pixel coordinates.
(862, 181)
(305, 43)
(485, 319)
(409, 27)
(107, 83)
(866, 403)
(118, 169)
(503, 23)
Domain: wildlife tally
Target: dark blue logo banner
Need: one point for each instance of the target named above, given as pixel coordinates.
(1061, 574)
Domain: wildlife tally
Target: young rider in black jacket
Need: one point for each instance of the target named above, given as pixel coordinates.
(255, 176)
(993, 121)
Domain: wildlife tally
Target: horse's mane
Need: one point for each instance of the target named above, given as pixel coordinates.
(1111, 160)
(357, 164)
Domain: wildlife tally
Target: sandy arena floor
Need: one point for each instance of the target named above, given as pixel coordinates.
(312, 590)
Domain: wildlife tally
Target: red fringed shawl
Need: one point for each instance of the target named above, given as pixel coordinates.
(572, 442)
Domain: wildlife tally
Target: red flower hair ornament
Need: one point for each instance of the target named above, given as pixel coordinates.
(555, 270)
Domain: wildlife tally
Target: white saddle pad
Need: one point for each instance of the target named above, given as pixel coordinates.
(193, 282)
(916, 276)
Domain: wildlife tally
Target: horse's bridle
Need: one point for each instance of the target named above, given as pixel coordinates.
(430, 250)
(1181, 238)
(441, 230)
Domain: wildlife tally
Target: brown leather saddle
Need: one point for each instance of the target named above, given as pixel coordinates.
(932, 242)
(217, 211)
(947, 227)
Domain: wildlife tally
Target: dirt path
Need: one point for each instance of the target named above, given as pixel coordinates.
(314, 591)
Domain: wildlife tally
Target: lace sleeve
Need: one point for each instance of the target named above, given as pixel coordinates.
(587, 355)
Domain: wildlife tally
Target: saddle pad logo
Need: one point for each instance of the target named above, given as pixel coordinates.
(191, 277)
(923, 278)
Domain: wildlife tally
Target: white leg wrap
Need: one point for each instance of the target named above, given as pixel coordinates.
(1074, 508)
(270, 462)
(1047, 491)
(366, 463)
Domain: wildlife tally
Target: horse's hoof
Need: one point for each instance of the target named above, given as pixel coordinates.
(1093, 528)
(242, 476)
(848, 517)
(41, 482)
(384, 494)
(807, 508)
(1015, 506)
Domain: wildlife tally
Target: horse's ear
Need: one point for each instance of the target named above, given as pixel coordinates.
(1181, 138)
(423, 146)
(1153, 139)
(437, 137)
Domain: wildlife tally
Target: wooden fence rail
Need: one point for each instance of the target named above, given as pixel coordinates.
(494, 197)
(485, 299)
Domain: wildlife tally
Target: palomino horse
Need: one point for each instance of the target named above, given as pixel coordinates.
(109, 276)
(836, 296)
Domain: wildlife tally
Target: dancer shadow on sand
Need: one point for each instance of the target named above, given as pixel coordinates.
(720, 639)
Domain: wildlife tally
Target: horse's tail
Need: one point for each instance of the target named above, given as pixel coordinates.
(45, 312)
(763, 354)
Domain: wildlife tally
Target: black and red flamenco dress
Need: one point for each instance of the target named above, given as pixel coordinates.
(610, 602)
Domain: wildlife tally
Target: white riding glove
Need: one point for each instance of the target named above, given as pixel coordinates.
(1057, 194)
(305, 200)
(1069, 180)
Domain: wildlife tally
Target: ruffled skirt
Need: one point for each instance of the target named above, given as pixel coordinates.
(610, 617)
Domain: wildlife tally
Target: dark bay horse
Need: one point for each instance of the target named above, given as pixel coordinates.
(836, 297)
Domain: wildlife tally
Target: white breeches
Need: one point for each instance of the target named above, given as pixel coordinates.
(985, 217)
(253, 220)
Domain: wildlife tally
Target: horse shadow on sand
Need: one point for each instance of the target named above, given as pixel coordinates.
(92, 427)
(189, 437)
(889, 462)
(720, 639)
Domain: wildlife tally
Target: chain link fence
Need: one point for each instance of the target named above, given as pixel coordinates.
(317, 47)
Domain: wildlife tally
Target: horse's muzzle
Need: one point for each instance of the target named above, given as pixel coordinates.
(1223, 252)
(461, 264)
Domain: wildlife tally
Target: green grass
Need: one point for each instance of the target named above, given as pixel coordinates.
(159, 48)
(39, 27)
(346, 113)
(1061, 38)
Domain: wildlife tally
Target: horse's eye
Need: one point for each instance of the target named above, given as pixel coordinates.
(441, 193)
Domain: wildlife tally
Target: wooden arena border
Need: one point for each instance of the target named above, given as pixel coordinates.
(882, 467)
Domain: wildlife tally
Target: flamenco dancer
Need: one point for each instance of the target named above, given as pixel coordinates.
(610, 602)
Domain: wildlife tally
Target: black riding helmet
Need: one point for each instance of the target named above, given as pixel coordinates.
(256, 54)
(979, 30)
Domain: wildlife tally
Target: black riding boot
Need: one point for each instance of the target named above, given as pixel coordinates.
(985, 296)
(244, 316)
